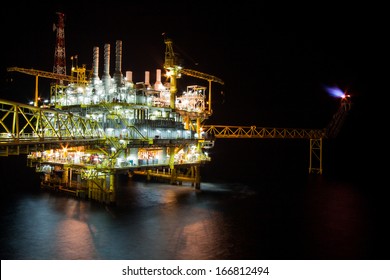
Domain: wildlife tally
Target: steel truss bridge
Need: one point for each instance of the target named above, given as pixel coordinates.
(222, 131)
(241, 132)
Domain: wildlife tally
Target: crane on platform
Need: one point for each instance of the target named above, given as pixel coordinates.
(43, 74)
(175, 70)
(78, 76)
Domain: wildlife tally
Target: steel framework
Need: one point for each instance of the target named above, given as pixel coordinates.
(25, 125)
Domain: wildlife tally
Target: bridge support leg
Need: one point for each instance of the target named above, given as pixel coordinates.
(315, 165)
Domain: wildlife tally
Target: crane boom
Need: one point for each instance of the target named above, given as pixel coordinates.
(44, 74)
(200, 75)
(80, 76)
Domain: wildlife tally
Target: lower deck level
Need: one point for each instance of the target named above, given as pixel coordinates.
(101, 185)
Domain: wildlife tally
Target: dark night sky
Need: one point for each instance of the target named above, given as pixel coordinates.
(275, 59)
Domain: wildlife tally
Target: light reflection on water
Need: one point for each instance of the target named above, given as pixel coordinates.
(310, 220)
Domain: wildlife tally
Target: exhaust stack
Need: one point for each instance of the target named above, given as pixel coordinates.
(158, 85)
(95, 68)
(118, 63)
(106, 71)
(147, 79)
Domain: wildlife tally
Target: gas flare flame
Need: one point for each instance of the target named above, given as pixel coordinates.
(335, 91)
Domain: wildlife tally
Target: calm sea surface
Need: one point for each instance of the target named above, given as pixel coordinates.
(250, 214)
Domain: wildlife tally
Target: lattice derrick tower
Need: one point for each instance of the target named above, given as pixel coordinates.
(59, 54)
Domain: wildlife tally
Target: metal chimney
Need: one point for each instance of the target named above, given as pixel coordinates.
(118, 63)
(95, 67)
(158, 84)
(106, 70)
(129, 76)
(147, 75)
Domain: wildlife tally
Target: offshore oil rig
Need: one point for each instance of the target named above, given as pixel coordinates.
(94, 128)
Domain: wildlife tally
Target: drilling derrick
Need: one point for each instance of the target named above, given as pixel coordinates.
(59, 53)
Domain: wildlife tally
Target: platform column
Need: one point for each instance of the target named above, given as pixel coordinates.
(70, 177)
(186, 122)
(172, 164)
(173, 177)
(65, 176)
(112, 187)
(198, 124)
(197, 177)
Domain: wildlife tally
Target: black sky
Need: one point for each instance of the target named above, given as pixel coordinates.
(275, 59)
